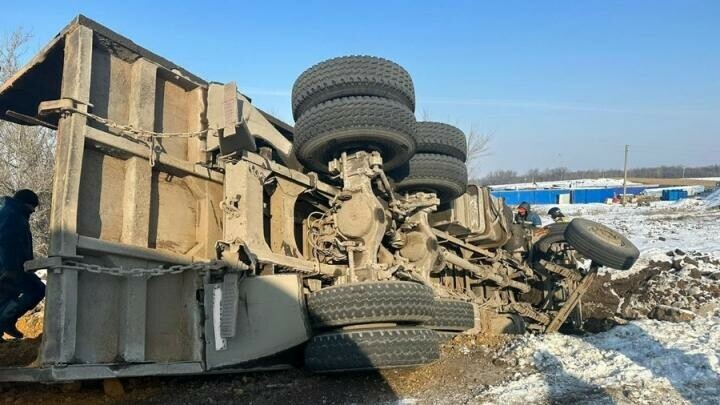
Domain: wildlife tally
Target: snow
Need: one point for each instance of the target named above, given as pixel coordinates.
(691, 190)
(564, 184)
(663, 226)
(713, 200)
(707, 178)
(642, 362)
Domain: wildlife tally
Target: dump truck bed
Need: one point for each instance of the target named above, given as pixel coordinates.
(135, 217)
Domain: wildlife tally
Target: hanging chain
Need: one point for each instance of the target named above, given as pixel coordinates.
(136, 132)
(144, 272)
(148, 138)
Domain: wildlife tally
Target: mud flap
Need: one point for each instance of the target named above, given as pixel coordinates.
(252, 318)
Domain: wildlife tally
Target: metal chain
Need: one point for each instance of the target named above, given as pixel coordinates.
(145, 136)
(143, 272)
(140, 133)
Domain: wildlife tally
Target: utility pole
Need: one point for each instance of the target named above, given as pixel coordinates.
(624, 197)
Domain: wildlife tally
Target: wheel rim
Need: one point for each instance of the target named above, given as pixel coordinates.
(607, 235)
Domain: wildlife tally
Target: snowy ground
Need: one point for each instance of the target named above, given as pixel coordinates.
(688, 225)
(582, 183)
(644, 361)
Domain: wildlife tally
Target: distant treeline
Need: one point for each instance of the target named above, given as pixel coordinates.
(562, 173)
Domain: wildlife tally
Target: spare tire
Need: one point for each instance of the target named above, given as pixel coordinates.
(370, 349)
(452, 315)
(355, 123)
(601, 244)
(352, 76)
(444, 139)
(370, 302)
(556, 233)
(444, 175)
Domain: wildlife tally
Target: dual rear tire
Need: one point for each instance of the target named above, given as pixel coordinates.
(371, 325)
(354, 103)
(378, 325)
(367, 103)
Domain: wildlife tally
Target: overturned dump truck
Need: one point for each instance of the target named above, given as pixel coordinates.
(193, 233)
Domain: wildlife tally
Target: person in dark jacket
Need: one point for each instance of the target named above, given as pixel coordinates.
(19, 291)
(557, 215)
(524, 214)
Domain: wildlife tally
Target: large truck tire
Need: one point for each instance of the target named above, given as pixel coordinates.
(444, 175)
(440, 138)
(355, 123)
(370, 349)
(446, 337)
(352, 76)
(556, 233)
(452, 315)
(371, 302)
(601, 244)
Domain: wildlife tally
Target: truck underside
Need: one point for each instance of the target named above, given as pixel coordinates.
(189, 234)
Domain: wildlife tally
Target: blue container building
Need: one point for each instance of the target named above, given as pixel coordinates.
(674, 195)
(552, 196)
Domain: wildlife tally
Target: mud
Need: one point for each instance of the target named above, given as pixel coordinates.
(663, 290)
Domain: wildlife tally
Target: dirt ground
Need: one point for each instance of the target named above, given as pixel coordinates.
(468, 365)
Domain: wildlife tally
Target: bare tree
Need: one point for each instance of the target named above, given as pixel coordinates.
(26, 153)
(478, 147)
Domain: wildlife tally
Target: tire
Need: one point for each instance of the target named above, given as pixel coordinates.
(371, 349)
(556, 234)
(352, 76)
(452, 315)
(443, 139)
(371, 302)
(355, 123)
(601, 244)
(446, 337)
(444, 175)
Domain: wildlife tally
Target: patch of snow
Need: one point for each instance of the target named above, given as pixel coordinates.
(563, 184)
(713, 200)
(691, 190)
(654, 229)
(642, 362)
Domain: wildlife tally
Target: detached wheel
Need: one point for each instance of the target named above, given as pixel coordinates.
(352, 76)
(444, 175)
(355, 123)
(452, 315)
(372, 302)
(372, 349)
(440, 138)
(556, 233)
(603, 245)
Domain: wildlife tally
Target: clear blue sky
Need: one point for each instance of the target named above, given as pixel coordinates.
(555, 82)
